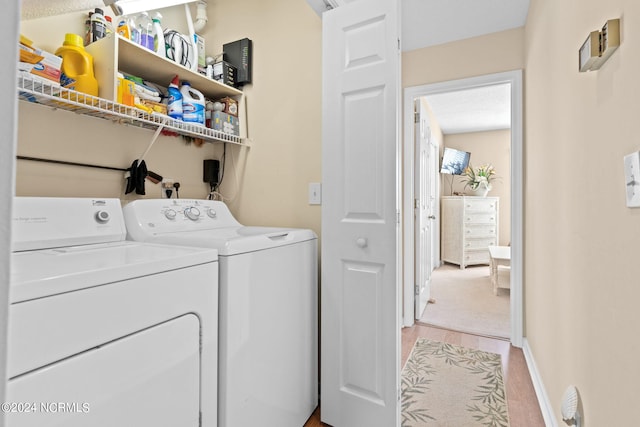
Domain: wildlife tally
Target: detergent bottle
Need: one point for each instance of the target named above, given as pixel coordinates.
(145, 26)
(98, 25)
(174, 106)
(77, 66)
(158, 36)
(192, 104)
(123, 28)
(134, 30)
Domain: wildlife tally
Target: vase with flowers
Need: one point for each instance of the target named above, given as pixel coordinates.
(479, 179)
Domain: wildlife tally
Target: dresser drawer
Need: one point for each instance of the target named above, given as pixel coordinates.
(471, 231)
(479, 243)
(476, 257)
(480, 218)
(479, 204)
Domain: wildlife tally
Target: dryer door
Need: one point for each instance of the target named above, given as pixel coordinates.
(148, 378)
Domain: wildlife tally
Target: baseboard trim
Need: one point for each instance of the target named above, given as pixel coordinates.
(538, 385)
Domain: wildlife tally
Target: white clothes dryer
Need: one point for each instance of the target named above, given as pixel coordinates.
(103, 331)
(268, 352)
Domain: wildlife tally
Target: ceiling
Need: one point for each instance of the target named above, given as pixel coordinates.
(32, 9)
(432, 22)
(472, 110)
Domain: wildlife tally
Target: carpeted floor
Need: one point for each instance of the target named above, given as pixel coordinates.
(464, 301)
(447, 385)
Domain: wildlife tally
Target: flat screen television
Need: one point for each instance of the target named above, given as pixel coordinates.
(454, 161)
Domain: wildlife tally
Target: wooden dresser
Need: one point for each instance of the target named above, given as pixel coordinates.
(469, 227)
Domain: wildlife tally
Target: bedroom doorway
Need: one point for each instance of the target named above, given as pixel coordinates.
(513, 81)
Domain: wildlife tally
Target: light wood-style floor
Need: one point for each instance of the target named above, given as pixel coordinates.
(524, 410)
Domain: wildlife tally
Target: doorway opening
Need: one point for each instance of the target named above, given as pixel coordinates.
(417, 282)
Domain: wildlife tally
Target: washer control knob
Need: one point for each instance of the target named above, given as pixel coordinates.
(212, 213)
(103, 217)
(170, 214)
(192, 213)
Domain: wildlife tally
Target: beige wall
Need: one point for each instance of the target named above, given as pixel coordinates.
(284, 109)
(266, 184)
(492, 53)
(491, 147)
(581, 241)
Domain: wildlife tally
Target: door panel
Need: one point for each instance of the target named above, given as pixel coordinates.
(362, 355)
(423, 222)
(360, 291)
(363, 175)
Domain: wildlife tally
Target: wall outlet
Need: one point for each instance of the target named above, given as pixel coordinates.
(167, 191)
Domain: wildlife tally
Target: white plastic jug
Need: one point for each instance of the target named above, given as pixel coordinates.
(192, 104)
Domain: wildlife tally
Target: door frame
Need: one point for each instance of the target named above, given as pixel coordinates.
(10, 31)
(514, 79)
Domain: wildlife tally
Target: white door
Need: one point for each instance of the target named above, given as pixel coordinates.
(432, 204)
(423, 261)
(360, 359)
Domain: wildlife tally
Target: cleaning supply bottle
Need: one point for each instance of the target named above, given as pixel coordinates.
(192, 104)
(123, 28)
(88, 34)
(109, 26)
(77, 66)
(98, 25)
(145, 26)
(158, 36)
(174, 106)
(134, 30)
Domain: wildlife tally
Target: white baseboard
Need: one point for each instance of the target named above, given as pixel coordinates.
(538, 385)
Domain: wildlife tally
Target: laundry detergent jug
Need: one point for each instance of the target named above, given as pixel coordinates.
(77, 66)
(192, 104)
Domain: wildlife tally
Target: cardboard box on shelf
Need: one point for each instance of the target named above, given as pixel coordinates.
(230, 106)
(126, 91)
(39, 63)
(225, 122)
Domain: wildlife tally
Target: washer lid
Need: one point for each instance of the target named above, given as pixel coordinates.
(236, 240)
(46, 272)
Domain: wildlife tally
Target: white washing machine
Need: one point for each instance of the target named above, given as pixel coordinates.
(268, 353)
(106, 332)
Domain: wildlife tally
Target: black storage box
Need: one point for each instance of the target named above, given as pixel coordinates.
(240, 53)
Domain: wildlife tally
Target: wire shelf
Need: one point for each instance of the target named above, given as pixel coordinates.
(53, 95)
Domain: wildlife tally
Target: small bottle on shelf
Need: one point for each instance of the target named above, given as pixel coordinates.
(98, 25)
(123, 27)
(145, 26)
(158, 36)
(109, 26)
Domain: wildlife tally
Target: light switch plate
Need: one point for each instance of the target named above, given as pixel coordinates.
(315, 193)
(632, 179)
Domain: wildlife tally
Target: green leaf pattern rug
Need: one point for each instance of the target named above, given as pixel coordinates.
(452, 386)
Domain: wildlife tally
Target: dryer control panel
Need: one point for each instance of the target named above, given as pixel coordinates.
(53, 222)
